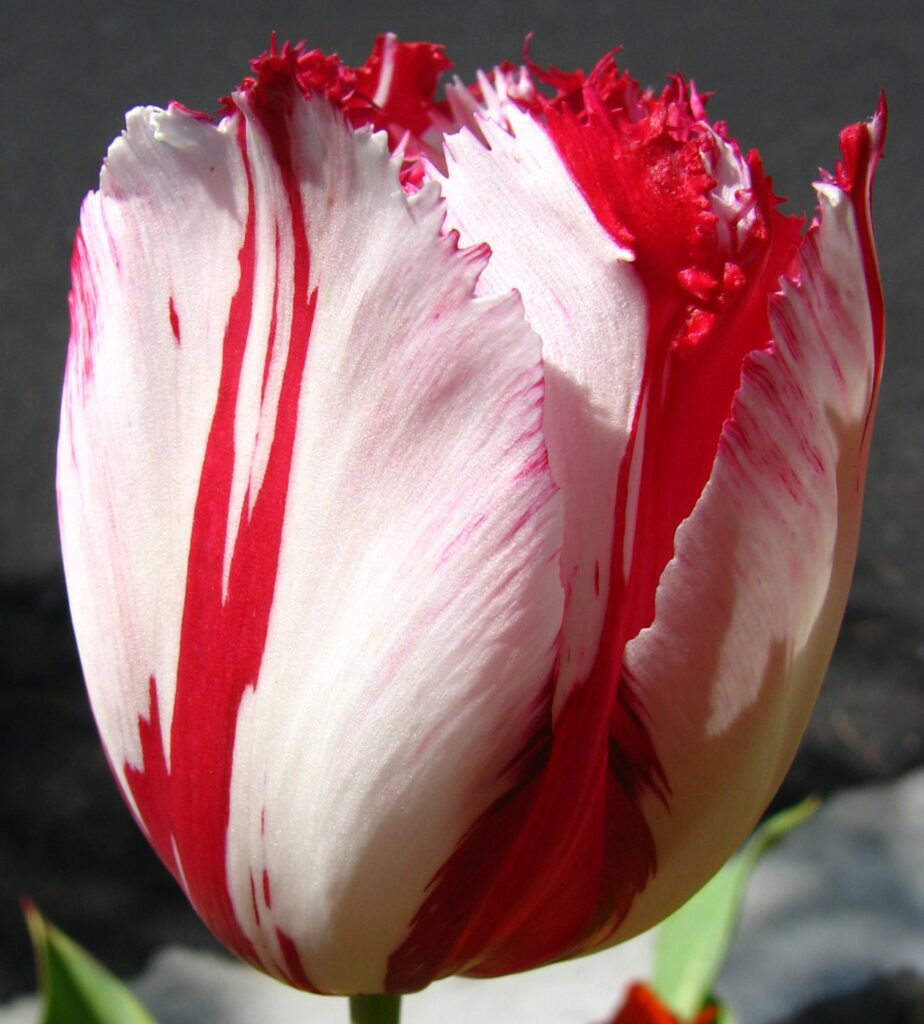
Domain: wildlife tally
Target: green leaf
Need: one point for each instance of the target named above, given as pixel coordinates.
(725, 1015)
(693, 942)
(76, 989)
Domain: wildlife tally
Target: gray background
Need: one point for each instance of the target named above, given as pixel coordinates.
(787, 77)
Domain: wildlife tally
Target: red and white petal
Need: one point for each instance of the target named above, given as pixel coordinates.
(582, 295)
(422, 599)
(154, 269)
(372, 532)
(748, 609)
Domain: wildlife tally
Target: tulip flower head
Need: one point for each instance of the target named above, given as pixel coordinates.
(458, 501)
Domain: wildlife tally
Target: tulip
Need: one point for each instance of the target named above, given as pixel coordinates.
(458, 501)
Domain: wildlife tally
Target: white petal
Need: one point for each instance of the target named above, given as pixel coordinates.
(584, 298)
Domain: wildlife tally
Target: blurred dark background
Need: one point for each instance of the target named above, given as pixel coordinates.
(787, 77)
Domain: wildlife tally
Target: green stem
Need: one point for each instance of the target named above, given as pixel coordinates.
(375, 1009)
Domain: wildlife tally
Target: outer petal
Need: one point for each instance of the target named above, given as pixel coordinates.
(748, 610)
(143, 345)
(306, 512)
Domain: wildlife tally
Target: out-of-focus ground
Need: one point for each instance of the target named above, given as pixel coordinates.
(787, 77)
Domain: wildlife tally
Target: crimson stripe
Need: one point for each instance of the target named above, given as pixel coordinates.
(174, 320)
(708, 308)
(294, 969)
(150, 786)
(224, 628)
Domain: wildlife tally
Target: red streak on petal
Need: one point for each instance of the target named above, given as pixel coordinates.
(83, 314)
(224, 628)
(175, 107)
(174, 321)
(253, 900)
(295, 970)
(151, 785)
(861, 145)
(639, 160)
(413, 71)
